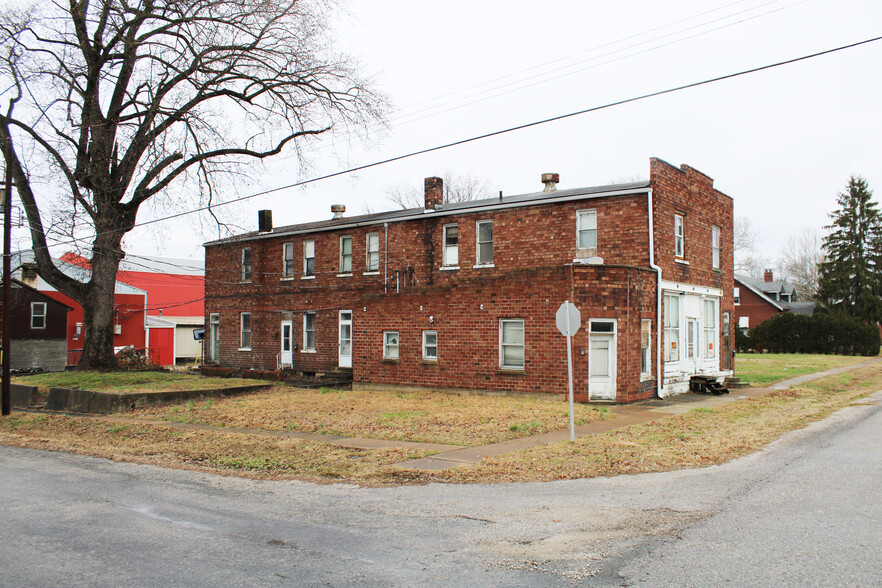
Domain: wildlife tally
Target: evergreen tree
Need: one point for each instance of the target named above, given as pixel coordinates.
(851, 276)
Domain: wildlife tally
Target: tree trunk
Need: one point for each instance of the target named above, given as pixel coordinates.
(99, 307)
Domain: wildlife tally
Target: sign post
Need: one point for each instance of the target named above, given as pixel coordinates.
(568, 320)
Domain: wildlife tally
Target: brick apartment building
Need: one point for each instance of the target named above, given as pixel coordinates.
(463, 296)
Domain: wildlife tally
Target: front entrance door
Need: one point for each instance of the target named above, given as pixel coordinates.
(345, 346)
(692, 345)
(286, 357)
(602, 359)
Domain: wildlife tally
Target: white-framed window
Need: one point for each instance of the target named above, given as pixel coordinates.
(715, 247)
(288, 260)
(645, 348)
(511, 344)
(586, 229)
(308, 258)
(484, 248)
(372, 255)
(213, 336)
(744, 323)
(679, 236)
(430, 345)
(308, 331)
(245, 331)
(38, 315)
(451, 245)
(246, 264)
(710, 328)
(672, 327)
(390, 344)
(346, 254)
(736, 294)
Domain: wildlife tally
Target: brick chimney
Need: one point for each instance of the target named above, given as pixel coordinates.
(768, 276)
(434, 193)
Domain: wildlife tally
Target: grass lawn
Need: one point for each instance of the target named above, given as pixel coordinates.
(119, 382)
(760, 369)
(414, 416)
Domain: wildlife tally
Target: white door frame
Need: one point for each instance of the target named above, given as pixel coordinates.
(603, 387)
(343, 344)
(286, 356)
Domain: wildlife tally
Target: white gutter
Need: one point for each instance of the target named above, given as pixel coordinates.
(659, 358)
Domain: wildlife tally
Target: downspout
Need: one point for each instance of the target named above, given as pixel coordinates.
(386, 258)
(659, 359)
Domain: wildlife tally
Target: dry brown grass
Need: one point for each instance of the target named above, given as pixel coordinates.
(414, 416)
(251, 456)
(699, 438)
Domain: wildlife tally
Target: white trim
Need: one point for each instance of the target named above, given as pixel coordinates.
(484, 266)
(690, 288)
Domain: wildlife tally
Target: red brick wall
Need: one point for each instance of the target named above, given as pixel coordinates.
(756, 308)
(689, 192)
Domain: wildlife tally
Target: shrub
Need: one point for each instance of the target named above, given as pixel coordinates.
(823, 332)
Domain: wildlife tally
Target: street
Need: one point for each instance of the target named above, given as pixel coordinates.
(804, 512)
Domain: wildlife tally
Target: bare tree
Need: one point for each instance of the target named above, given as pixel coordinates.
(120, 100)
(747, 262)
(457, 188)
(800, 263)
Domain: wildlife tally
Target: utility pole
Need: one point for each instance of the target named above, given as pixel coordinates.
(7, 270)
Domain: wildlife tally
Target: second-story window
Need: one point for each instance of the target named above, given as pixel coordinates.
(372, 255)
(484, 229)
(451, 245)
(288, 260)
(715, 247)
(246, 264)
(346, 255)
(308, 258)
(586, 229)
(679, 236)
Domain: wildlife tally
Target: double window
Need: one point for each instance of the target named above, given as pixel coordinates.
(288, 260)
(246, 264)
(372, 257)
(309, 331)
(38, 315)
(451, 245)
(484, 230)
(586, 229)
(672, 327)
(679, 236)
(390, 345)
(511, 344)
(245, 331)
(308, 258)
(346, 255)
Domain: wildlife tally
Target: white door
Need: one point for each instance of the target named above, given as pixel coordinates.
(602, 359)
(286, 357)
(345, 347)
(692, 345)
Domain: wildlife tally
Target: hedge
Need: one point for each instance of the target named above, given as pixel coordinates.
(824, 332)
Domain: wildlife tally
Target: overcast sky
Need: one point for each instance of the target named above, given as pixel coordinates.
(781, 142)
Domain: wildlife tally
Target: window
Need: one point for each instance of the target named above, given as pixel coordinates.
(484, 230)
(679, 236)
(586, 229)
(38, 315)
(288, 260)
(672, 327)
(308, 258)
(346, 255)
(715, 245)
(645, 351)
(451, 245)
(372, 257)
(744, 324)
(246, 264)
(710, 328)
(213, 336)
(736, 293)
(390, 344)
(430, 345)
(511, 344)
(245, 331)
(308, 331)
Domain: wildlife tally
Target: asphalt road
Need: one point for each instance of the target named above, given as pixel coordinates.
(805, 512)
